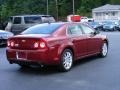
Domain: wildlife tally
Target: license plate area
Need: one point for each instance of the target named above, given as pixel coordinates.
(21, 55)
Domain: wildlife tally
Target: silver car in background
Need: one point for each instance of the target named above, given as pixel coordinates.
(4, 35)
(19, 23)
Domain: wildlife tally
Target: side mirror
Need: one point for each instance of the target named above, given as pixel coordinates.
(95, 32)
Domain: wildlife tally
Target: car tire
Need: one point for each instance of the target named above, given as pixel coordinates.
(66, 60)
(104, 50)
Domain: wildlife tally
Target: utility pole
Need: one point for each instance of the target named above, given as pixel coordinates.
(47, 8)
(73, 7)
(57, 9)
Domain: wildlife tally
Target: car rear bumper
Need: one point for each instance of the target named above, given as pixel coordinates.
(22, 62)
(31, 57)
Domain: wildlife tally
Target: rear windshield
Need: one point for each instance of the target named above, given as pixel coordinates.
(32, 19)
(42, 29)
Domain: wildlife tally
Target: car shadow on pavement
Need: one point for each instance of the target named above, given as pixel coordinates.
(48, 70)
(85, 60)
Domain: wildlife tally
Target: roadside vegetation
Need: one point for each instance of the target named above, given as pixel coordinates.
(18, 7)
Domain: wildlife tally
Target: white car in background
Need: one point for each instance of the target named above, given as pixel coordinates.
(18, 24)
(4, 35)
(86, 19)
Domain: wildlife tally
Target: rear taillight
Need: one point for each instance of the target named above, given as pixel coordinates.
(40, 44)
(36, 45)
(10, 43)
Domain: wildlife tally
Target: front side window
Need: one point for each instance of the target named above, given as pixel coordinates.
(74, 30)
(87, 29)
(17, 20)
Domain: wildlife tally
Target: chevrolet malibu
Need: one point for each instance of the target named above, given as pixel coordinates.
(55, 44)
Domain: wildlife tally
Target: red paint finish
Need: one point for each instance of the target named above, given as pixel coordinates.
(25, 50)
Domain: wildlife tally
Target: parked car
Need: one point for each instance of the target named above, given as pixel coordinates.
(55, 44)
(96, 25)
(119, 28)
(119, 25)
(90, 20)
(4, 35)
(17, 24)
(84, 19)
(110, 26)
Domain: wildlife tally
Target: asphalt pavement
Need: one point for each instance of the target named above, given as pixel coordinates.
(92, 73)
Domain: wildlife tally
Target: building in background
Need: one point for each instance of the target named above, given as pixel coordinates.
(106, 12)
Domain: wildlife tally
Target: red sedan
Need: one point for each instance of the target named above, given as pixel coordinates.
(55, 44)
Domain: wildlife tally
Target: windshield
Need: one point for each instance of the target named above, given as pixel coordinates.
(42, 29)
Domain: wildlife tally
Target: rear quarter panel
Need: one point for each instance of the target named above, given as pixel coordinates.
(56, 46)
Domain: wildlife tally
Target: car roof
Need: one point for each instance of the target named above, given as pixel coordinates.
(29, 15)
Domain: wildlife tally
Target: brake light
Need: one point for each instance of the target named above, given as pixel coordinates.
(12, 43)
(42, 44)
(8, 43)
(36, 45)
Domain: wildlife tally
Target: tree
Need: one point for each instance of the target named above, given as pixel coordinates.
(17, 7)
(115, 2)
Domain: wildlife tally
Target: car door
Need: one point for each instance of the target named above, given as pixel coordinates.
(93, 41)
(78, 40)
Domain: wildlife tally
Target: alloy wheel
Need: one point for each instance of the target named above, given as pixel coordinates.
(66, 60)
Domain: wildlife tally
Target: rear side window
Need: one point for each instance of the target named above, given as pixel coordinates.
(42, 29)
(33, 19)
(17, 20)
